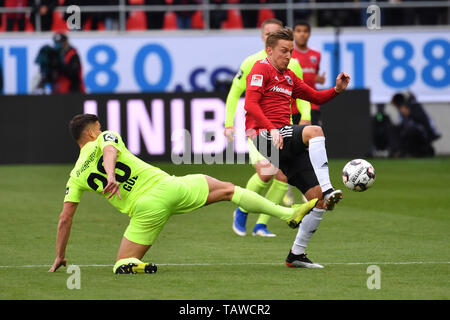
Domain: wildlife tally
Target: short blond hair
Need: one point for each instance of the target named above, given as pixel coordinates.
(283, 34)
(271, 21)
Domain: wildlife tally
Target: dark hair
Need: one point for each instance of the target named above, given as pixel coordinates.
(59, 37)
(79, 122)
(403, 99)
(303, 23)
(398, 99)
(283, 34)
(272, 21)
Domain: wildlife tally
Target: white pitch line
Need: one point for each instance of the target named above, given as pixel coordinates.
(247, 263)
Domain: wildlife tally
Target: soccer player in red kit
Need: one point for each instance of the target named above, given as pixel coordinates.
(298, 150)
(309, 60)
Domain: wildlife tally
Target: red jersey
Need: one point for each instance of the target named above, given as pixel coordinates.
(309, 61)
(269, 93)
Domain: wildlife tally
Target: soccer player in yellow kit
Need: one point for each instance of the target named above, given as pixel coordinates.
(261, 180)
(147, 194)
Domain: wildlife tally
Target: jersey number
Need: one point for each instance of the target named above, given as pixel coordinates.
(91, 180)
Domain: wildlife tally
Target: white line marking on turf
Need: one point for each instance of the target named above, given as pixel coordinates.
(245, 263)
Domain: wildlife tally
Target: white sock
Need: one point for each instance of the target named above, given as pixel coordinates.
(319, 161)
(307, 227)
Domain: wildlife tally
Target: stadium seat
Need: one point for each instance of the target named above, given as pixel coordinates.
(234, 20)
(59, 25)
(28, 25)
(88, 25)
(137, 21)
(170, 21)
(197, 21)
(264, 14)
(3, 23)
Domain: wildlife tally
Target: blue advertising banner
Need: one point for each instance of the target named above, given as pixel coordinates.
(384, 61)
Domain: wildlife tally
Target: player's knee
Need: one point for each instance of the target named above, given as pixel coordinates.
(281, 177)
(265, 170)
(316, 131)
(228, 190)
(310, 132)
(264, 177)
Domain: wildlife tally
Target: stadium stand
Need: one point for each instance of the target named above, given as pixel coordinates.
(170, 21)
(137, 20)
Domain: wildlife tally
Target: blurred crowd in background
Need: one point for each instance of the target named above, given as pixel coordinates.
(229, 18)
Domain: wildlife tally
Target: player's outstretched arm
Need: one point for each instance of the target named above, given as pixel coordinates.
(303, 91)
(63, 233)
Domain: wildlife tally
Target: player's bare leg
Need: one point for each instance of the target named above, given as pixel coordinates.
(129, 249)
(313, 137)
(265, 170)
(129, 258)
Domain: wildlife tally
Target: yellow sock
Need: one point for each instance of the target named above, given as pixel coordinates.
(275, 194)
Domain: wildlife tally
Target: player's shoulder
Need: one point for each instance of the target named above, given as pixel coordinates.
(261, 65)
(313, 52)
(249, 62)
(109, 135)
(256, 56)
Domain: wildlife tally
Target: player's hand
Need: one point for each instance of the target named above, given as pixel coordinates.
(320, 78)
(58, 263)
(342, 82)
(229, 133)
(112, 188)
(277, 138)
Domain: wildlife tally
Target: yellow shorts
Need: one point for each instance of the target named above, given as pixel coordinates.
(173, 195)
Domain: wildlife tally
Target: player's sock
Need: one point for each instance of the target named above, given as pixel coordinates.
(255, 184)
(275, 194)
(125, 261)
(319, 161)
(254, 203)
(307, 227)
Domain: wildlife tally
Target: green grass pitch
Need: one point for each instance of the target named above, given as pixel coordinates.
(401, 225)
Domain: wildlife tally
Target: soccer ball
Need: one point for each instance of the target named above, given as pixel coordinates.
(358, 175)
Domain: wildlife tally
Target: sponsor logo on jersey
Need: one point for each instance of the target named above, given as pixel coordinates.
(282, 90)
(309, 70)
(289, 80)
(110, 137)
(87, 163)
(257, 80)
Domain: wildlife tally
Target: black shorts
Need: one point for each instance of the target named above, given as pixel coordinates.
(293, 159)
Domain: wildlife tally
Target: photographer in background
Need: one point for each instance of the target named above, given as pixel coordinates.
(416, 131)
(60, 67)
(43, 8)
